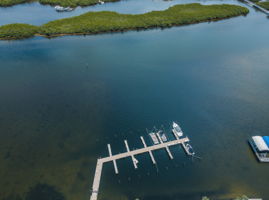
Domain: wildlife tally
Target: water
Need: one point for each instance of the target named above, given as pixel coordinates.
(63, 100)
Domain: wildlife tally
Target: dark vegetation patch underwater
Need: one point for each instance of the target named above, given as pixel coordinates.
(43, 192)
(39, 192)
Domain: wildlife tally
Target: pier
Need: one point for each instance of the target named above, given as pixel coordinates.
(167, 148)
(132, 156)
(113, 158)
(114, 161)
(183, 145)
(150, 152)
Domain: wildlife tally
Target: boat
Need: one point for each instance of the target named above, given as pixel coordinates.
(154, 138)
(101, 2)
(177, 130)
(260, 146)
(63, 9)
(189, 149)
(164, 138)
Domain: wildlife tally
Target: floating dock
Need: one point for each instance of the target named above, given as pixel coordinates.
(183, 144)
(150, 152)
(113, 158)
(132, 156)
(167, 148)
(114, 161)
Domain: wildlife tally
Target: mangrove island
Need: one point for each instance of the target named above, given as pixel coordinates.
(106, 21)
(64, 3)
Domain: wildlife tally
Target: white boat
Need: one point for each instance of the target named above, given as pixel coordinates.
(154, 138)
(63, 9)
(177, 130)
(189, 149)
(260, 147)
(101, 2)
(164, 138)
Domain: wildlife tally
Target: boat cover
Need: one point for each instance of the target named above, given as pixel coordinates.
(266, 140)
(260, 143)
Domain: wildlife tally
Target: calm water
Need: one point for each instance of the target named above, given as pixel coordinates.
(63, 100)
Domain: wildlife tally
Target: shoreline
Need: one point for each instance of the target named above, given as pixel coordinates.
(93, 23)
(54, 3)
(128, 30)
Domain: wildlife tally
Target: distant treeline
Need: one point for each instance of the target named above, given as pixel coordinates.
(264, 4)
(64, 3)
(244, 197)
(106, 21)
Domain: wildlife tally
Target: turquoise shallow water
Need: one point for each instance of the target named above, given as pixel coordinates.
(62, 100)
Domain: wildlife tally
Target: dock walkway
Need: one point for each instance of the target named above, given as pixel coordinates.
(113, 158)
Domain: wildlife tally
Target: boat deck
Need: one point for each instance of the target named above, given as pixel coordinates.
(259, 156)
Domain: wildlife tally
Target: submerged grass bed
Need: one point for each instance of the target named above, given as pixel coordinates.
(106, 21)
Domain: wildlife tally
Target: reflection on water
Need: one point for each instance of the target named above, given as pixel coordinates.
(63, 100)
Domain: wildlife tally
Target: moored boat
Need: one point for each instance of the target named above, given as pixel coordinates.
(163, 137)
(189, 149)
(177, 130)
(260, 146)
(63, 9)
(154, 138)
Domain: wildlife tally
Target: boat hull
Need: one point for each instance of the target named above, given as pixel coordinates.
(179, 134)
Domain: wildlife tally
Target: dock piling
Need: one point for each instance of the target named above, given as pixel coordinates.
(150, 152)
(113, 158)
(166, 147)
(114, 161)
(132, 156)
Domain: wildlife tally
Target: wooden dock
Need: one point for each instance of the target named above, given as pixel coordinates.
(150, 152)
(167, 148)
(114, 161)
(113, 158)
(183, 145)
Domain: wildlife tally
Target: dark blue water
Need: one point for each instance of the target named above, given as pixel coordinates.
(62, 100)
